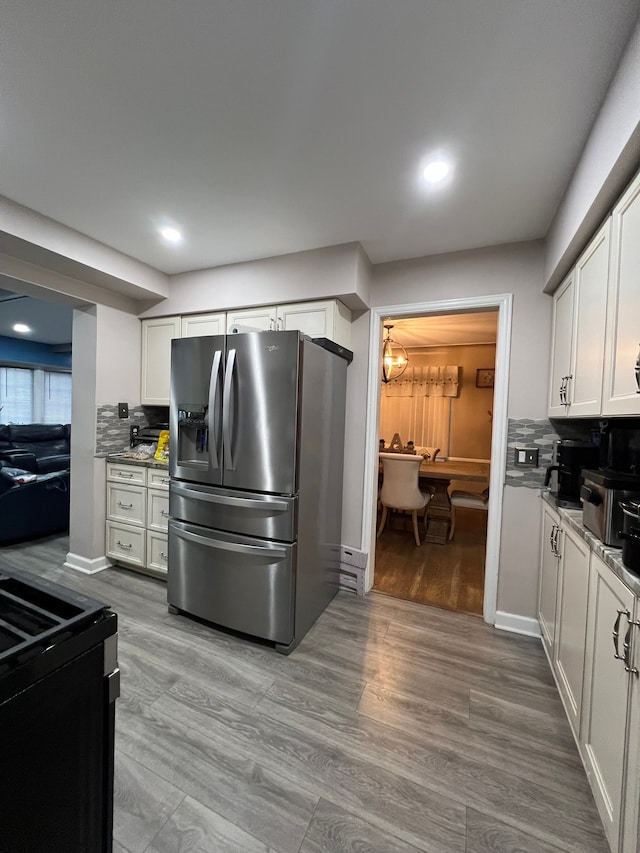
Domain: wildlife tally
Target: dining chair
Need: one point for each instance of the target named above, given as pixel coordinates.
(400, 489)
(468, 500)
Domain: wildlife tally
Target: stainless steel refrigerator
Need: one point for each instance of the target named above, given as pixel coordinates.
(256, 462)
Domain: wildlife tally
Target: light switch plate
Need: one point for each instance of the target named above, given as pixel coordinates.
(123, 410)
(525, 457)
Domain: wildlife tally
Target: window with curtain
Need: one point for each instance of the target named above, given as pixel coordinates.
(30, 396)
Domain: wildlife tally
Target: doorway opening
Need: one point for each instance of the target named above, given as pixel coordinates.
(503, 303)
(440, 409)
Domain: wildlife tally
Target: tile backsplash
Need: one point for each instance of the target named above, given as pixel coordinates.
(112, 432)
(524, 432)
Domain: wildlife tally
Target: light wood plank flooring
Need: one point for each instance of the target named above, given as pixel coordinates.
(392, 728)
(449, 576)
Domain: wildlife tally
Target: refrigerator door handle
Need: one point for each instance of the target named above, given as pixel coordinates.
(214, 450)
(227, 426)
(236, 547)
(225, 500)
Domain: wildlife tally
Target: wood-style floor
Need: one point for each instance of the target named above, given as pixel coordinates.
(449, 576)
(392, 728)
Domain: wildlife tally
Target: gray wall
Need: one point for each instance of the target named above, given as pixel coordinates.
(516, 269)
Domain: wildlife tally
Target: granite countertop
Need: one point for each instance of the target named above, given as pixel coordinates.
(611, 556)
(128, 460)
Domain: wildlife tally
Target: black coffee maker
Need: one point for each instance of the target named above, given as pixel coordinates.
(569, 458)
(620, 446)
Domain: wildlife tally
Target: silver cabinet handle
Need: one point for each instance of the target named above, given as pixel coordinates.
(616, 633)
(638, 371)
(272, 325)
(213, 411)
(279, 324)
(166, 480)
(555, 541)
(562, 391)
(125, 506)
(627, 650)
(163, 556)
(164, 513)
(129, 476)
(123, 544)
(227, 425)
(553, 527)
(567, 400)
(236, 547)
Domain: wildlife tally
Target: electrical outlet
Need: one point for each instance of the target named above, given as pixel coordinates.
(123, 410)
(526, 457)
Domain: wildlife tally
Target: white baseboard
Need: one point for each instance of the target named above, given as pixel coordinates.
(85, 565)
(517, 624)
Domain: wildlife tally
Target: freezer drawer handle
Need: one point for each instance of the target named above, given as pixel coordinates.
(231, 546)
(245, 503)
(227, 426)
(213, 412)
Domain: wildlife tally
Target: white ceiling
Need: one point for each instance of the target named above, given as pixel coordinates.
(270, 126)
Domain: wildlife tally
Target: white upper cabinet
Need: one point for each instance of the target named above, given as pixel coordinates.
(327, 319)
(580, 306)
(563, 312)
(157, 335)
(584, 387)
(197, 325)
(330, 319)
(621, 395)
(259, 319)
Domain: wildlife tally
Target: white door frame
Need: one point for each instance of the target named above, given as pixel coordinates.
(503, 303)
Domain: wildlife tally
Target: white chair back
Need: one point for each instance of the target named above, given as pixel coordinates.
(400, 481)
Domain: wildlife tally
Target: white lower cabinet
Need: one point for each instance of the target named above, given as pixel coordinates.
(571, 623)
(549, 568)
(607, 738)
(593, 628)
(137, 516)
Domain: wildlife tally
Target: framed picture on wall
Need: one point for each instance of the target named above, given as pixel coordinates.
(484, 377)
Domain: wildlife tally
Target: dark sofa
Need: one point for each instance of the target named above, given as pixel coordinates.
(34, 480)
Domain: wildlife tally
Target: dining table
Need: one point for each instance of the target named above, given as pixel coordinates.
(437, 477)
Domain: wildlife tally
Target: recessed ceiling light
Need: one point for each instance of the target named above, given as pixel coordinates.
(170, 234)
(20, 327)
(436, 171)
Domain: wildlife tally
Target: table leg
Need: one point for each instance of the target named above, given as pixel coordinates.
(438, 513)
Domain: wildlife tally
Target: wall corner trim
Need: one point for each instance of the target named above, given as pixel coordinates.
(85, 565)
(517, 624)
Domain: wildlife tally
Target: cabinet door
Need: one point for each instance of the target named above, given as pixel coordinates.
(571, 627)
(329, 319)
(561, 347)
(157, 509)
(196, 325)
(548, 583)
(606, 694)
(157, 335)
(157, 552)
(258, 319)
(584, 388)
(621, 387)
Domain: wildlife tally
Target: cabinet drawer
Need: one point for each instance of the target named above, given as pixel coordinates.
(158, 478)
(126, 473)
(157, 509)
(157, 552)
(126, 503)
(126, 544)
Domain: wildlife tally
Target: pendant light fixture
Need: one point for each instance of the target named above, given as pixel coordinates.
(394, 357)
